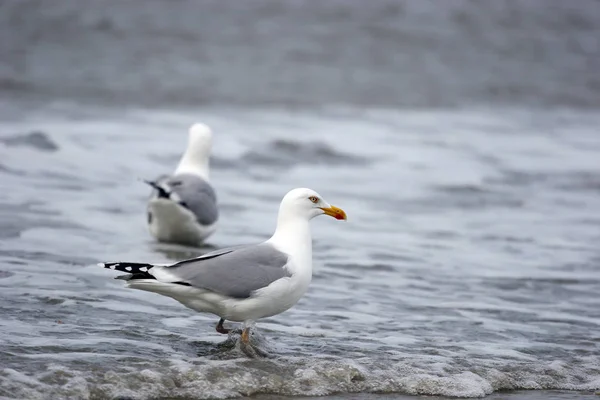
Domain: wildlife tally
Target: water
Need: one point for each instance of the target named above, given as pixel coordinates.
(468, 266)
(469, 262)
(297, 53)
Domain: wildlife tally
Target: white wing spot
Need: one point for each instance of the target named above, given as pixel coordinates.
(112, 266)
(144, 269)
(127, 268)
(175, 197)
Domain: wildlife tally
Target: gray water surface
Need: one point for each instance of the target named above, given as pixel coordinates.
(301, 53)
(461, 138)
(468, 264)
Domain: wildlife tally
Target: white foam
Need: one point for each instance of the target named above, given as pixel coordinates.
(292, 376)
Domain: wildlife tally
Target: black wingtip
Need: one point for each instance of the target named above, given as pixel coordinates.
(151, 183)
(162, 193)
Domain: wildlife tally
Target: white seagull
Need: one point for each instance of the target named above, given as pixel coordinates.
(244, 283)
(183, 207)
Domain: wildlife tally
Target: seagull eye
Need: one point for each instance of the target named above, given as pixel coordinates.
(314, 199)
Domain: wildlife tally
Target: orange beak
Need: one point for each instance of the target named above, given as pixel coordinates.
(334, 212)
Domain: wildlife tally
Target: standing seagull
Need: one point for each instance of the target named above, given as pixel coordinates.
(246, 283)
(183, 207)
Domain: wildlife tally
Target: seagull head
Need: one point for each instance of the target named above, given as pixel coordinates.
(197, 154)
(307, 203)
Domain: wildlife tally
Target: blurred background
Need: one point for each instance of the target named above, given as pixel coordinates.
(461, 137)
(387, 53)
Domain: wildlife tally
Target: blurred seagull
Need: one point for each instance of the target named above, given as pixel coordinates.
(244, 283)
(183, 207)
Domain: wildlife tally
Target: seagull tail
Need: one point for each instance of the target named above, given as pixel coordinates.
(135, 270)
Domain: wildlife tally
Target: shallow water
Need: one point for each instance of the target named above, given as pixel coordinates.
(468, 264)
(520, 394)
(460, 137)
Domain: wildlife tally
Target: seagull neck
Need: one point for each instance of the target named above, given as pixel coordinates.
(293, 235)
(193, 164)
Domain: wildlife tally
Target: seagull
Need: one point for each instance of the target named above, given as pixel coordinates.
(243, 283)
(183, 207)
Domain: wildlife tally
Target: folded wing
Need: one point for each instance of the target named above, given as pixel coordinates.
(234, 272)
(191, 192)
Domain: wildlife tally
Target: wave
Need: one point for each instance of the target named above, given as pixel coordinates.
(35, 140)
(282, 152)
(231, 375)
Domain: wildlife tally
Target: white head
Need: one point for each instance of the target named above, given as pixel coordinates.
(297, 208)
(306, 204)
(197, 154)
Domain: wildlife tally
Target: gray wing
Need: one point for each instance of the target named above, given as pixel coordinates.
(234, 272)
(195, 194)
